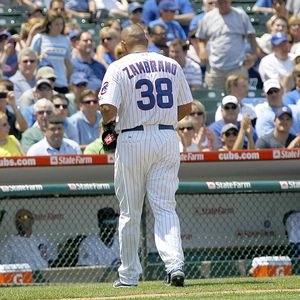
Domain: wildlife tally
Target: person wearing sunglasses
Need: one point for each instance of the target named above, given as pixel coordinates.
(186, 134)
(25, 246)
(233, 138)
(204, 137)
(42, 109)
(230, 109)
(87, 119)
(9, 145)
(24, 79)
(266, 111)
(109, 38)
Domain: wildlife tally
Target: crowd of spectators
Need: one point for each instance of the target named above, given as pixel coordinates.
(51, 71)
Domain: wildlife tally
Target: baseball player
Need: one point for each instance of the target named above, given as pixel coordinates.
(146, 94)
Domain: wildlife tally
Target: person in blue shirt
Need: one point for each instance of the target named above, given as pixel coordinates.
(184, 12)
(87, 119)
(293, 97)
(83, 61)
(167, 13)
(135, 10)
(263, 6)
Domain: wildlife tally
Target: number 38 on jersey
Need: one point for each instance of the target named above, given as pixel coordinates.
(158, 93)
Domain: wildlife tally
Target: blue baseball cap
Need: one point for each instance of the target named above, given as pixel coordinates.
(74, 33)
(133, 6)
(283, 110)
(278, 38)
(167, 5)
(78, 77)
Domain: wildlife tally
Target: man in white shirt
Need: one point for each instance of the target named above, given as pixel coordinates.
(278, 63)
(103, 248)
(25, 247)
(54, 142)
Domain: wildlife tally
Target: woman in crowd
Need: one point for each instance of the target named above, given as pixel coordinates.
(52, 44)
(109, 38)
(204, 137)
(9, 145)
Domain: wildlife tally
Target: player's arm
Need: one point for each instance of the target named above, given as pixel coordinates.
(109, 113)
(184, 110)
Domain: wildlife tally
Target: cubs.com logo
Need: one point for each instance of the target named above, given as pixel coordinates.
(104, 88)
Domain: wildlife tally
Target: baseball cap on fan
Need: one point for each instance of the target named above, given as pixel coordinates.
(271, 83)
(278, 38)
(78, 77)
(283, 110)
(167, 5)
(45, 72)
(133, 6)
(228, 126)
(229, 99)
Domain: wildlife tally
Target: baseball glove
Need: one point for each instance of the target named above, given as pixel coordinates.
(109, 137)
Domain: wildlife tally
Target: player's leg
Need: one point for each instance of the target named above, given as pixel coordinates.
(130, 191)
(162, 183)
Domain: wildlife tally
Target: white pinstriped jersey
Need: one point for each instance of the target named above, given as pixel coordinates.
(147, 79)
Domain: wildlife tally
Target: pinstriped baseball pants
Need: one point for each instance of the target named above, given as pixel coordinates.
(147, 163)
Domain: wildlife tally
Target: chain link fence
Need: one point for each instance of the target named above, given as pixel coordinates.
(56, 229)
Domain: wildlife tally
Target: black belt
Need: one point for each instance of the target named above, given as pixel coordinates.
(141, 128)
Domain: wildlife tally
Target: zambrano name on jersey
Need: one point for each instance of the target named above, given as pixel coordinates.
(150, 67)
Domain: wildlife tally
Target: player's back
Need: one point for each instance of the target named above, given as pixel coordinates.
(151, 86)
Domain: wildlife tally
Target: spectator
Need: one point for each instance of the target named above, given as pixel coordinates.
(9, 145)
(167, 9)
(25, 247)
(56, 47)
(103, 248)
(158, 40)
(184, 14)
(237, 85)
(113, 8)
(54, 142)
(24, 79)
(96, 147)
(61, 109)
(8, 55)
(29, 97)
(293, 7)
(230, 110)
(135, 10)
(266, 111)
(191, 69)
(263, 6)
(87, 119)
(225, 29)
(278, 24)
(109, 38)
(203, 135)
(291, 221)
(254, 80)
(293, 96)
(279, 8)
(83, 61)
(278, 63)
(186, 133)
(16, 120)
(43, 108)
(294, 31)
(43, 90)
(119, 51)
(233, 138)
(280, 137)
(80, 8)
(79, 84)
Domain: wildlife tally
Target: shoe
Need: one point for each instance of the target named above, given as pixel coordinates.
(175, 278)
(118, 284)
